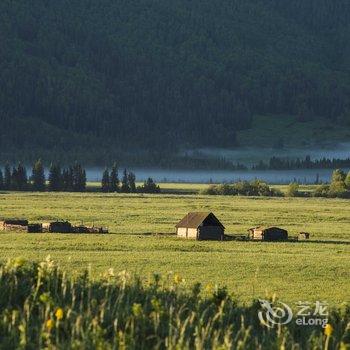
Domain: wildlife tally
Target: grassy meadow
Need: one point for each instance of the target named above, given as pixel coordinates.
(141, 241)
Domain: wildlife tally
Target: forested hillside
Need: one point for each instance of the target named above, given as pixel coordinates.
(107, 76)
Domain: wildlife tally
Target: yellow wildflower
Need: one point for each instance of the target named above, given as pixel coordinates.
(59, 313)
(328, 330)
(209, 288)
(137, 309)
(50, 324)
(178, 279)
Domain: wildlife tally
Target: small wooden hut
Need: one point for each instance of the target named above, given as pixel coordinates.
(57, 227)
(200, 226)
(13, 225)
(268, 233)
(35, 228)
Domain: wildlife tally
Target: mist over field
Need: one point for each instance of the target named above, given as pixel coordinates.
(251, 155)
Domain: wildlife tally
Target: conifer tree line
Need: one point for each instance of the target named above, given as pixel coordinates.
(111, 183)
(72, 178)
(69, 179)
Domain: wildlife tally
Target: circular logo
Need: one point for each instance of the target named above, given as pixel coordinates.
(271, 315)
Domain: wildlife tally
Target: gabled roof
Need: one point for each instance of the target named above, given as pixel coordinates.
(195, 219)
(263, 228)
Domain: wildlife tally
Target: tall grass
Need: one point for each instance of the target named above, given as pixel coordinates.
(43, 307)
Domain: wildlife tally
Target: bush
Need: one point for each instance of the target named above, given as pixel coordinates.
(293, 190)
(321, 191)
(338, 187)
(243, 188)
(149, 186)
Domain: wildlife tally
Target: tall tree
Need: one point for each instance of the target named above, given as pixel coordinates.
(114, 179)
(132, 182)
(38, 176)
(7, 177)
(79, 178)
(14, 179)
(105, 183)
(20, 178)
(55, 178)
(125, 183)
(67, 179)
(1, 180)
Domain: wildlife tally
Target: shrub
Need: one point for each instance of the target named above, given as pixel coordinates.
(243, 188)
(321, 191)
(149, 186)
(293, 190)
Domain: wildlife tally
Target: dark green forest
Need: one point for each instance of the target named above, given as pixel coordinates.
(109, 78)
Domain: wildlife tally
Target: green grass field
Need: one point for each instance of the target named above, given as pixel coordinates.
(140, 241)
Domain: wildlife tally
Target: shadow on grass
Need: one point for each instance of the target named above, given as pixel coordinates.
(243, 238)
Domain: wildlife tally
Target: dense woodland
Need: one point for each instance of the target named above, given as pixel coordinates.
(98, 78)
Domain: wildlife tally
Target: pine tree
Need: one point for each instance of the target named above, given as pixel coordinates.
(114, 180)
(79, 178)
(21, 179)
(1, 180)
(7, 177)
(38, 176)
(131, 182)
(14, 179)
(82, 180)
(55, 178)
(125, 183)
(67, 179)
(105, 183)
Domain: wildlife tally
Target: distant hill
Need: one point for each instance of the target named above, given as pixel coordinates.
(94, 78)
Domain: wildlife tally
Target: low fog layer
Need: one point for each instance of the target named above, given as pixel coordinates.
(249, 156)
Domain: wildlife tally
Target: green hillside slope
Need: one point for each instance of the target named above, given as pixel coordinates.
(115, 75)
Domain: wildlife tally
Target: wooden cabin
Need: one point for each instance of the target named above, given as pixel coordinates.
(35, 228)
(268, 233)
(200, 226)
(14, 225)
(57, 227)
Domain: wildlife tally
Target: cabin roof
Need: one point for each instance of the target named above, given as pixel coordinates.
(263, 228)
(195, 219)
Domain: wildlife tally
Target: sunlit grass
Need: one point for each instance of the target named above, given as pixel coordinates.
(141, 241)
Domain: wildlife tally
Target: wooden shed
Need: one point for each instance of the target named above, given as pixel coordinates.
(200, 226)
(14, 225)
(268, 233)
(57, 227)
